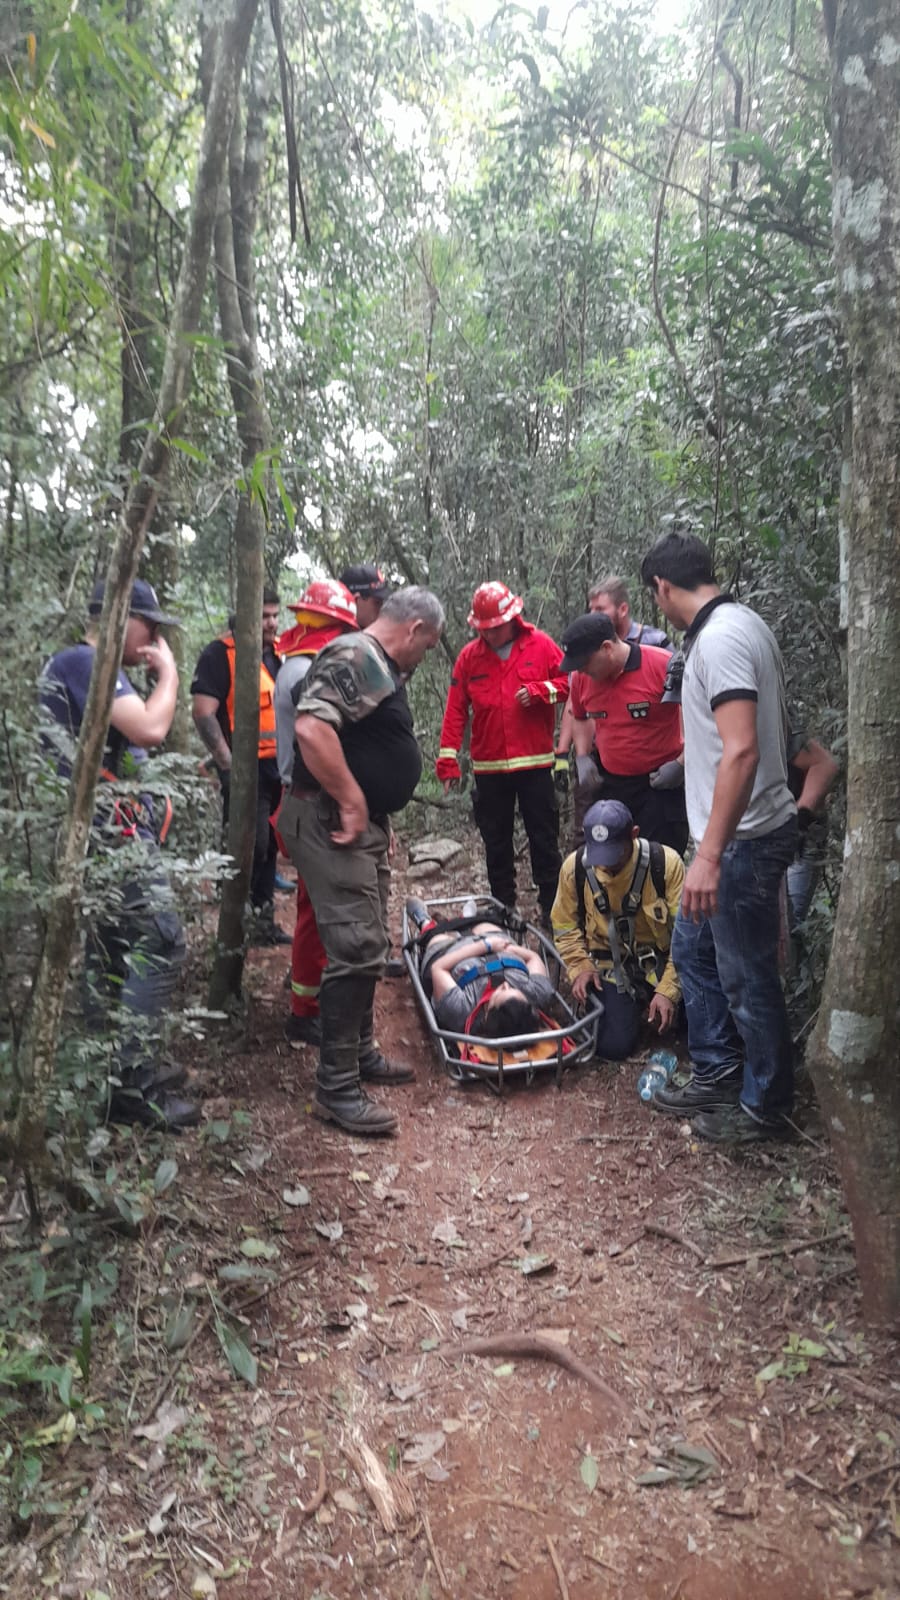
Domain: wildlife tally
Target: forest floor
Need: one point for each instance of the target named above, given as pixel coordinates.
(749, 1443)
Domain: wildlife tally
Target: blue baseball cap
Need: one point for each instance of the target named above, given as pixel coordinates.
(144, 603)
(607, 826)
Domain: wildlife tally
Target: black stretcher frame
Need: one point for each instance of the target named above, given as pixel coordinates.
(581, 1030)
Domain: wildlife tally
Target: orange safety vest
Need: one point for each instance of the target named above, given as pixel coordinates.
(267, 746)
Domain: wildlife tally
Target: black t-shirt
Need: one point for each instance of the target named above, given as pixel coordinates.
(356, 688)
(212, 676)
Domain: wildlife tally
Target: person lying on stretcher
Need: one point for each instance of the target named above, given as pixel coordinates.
(479, 980)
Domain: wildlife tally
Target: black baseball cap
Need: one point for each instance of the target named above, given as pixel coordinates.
(366, 580)
(582, 637)
(144, 602)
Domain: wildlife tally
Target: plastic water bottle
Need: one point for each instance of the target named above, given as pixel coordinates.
(659, 1069)
(470, 908)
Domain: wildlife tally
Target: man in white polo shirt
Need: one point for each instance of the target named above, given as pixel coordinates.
(743, 820)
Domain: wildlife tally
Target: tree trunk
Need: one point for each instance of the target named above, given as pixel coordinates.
(854, 1053)
(235, 288)
(37, 1052)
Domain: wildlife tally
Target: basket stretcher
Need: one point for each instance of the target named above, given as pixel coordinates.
(468, 1056)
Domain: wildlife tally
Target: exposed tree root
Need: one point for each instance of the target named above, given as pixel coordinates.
(525, 1345)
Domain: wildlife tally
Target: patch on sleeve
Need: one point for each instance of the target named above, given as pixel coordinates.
(345, 682)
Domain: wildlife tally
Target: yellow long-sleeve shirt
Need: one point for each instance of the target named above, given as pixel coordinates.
(652, 926)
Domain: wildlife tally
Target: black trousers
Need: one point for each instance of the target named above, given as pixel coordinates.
(494, 800)
(265, 845)
(659, 813)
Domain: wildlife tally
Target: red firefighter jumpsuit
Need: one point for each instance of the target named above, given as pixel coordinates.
(511, 743)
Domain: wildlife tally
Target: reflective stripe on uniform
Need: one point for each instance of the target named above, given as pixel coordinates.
(552, 690)
(514, 763)
(305, 991)
(447, 754)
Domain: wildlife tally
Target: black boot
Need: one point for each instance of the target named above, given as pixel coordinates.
(373, 1068)
(344, 1005)
(264, 930)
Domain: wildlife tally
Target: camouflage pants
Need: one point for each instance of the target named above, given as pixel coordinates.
(348, 885)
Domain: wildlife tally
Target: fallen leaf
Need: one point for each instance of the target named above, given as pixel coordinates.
(434, 1472)
(383, 1182)
(405, 1391)
(517, 1199)
(259, 1250)
(155, 1525)
(696, 1453)
(332, 1231)
(533, 1266)
(423, 1447)
(505, 1370)
(179, 1328)
(590, 1472)
(257, 1157)
(358, 1310)
(169, 1418)
(460, 1319)
(166, 1173)
(62, 1431)
(445, 1232)
(451, 1424)
(295, 1197)
(346, 1501)
(203, 1587)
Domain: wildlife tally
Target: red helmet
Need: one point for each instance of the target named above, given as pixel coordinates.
(326, 597)
(492, 605)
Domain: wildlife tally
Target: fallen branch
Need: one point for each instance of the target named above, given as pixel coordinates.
(865, 1477)
(560, 1575)
(780, 1250)
(879, 1397)
(393, 1500)
(600, 1562)
(611, 1138)
(511, 1249)
(522, 1346)
(675, 1238)
(441, 1576)
(312, 1506)
(508, 1501)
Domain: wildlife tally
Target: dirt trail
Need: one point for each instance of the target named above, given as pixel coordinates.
(368, 1462)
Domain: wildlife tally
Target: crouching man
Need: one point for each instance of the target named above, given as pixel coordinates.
(613, 917)
(356, 761)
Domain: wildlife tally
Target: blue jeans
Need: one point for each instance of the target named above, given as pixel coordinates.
(728, 966)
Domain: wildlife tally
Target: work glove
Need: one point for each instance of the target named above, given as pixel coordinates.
(447, 769)
(669, 776)
(224, 775)
(588, 776)
(561, 771)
